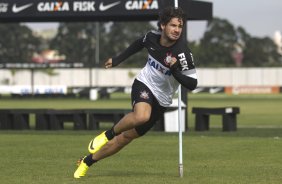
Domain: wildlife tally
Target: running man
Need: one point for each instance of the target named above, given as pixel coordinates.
(169, 64)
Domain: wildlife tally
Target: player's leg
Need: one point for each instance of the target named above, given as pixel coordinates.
(139, 116)
(120, 141)
(112, 147)
(142, 99)
(116, 144)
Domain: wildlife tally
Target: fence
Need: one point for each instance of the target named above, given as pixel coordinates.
(124, 77)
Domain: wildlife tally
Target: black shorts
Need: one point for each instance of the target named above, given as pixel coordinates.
(141, 93)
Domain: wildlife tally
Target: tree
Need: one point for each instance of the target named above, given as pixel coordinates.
(223, 45)
(261, 52)
(76, 41)
(258, 51)
(216, 46)
(17, 43)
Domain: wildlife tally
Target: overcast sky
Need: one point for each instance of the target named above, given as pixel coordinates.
(258, 17)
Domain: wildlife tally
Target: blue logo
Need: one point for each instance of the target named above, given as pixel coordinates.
(159, 67)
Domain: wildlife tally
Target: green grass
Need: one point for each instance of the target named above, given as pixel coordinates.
(210, 157)
(250, 155)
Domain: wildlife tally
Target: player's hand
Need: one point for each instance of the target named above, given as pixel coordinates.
(109, 63)
(173, 61)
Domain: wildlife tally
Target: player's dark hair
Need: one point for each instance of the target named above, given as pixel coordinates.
(168, 13)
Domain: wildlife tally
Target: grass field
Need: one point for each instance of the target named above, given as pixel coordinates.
(250, 155)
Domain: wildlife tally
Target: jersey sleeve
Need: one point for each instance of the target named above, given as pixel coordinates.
(184, 71)
(129, 51)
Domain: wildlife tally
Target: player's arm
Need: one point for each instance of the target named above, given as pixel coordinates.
(185, 76)
(129, 51)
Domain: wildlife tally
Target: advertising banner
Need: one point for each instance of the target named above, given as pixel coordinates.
(95, 10)
(253, 90)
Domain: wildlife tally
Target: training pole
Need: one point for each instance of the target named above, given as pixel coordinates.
(180, 133)
(179, 121)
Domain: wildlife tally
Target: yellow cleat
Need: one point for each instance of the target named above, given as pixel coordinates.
(81, 170)
(97, 143)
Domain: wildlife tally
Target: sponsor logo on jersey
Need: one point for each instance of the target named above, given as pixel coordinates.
(156, 65)
(3, 7)
(183, 61)
(142, 5)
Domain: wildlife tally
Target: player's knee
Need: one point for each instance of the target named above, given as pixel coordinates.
(141, 118)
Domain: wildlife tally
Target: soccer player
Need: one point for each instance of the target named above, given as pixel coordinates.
(169, 64)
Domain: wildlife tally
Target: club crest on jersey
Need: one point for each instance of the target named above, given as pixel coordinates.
(168, 58)
(144, 94)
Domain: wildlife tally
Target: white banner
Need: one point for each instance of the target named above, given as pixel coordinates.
(38, 89)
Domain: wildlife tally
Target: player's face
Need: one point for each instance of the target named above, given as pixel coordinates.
(173, 29)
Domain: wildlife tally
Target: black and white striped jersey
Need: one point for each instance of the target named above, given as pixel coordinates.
(161, 79)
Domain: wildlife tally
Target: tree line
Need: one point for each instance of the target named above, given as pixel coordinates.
(222, 44)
